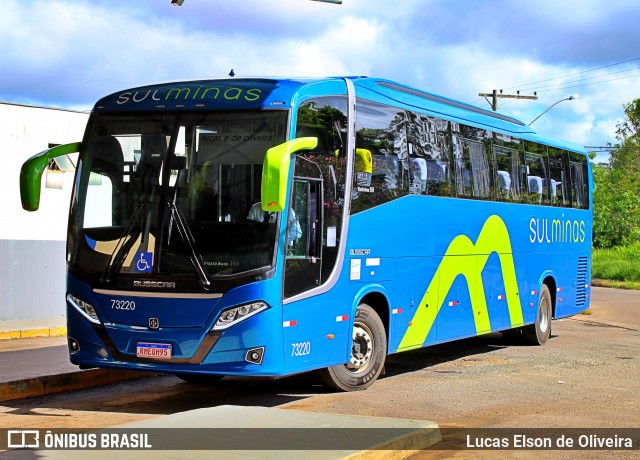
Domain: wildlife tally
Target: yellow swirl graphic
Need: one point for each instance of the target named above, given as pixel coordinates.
(493, 237)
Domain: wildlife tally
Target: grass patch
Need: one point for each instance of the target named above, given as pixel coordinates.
(617, 267)
(616, 284)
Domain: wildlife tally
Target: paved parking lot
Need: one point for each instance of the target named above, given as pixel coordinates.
(586, 376)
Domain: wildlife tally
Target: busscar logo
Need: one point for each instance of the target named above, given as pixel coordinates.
(155, 284)
(23, 439)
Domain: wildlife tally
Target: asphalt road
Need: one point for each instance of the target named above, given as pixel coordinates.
(587, 375)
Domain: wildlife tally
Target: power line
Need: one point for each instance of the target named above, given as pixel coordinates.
(611, 147)
(588, 84)
(584, 79)
(573, 74)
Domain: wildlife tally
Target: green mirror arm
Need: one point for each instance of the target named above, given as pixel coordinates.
(31, 173)
(275, 171)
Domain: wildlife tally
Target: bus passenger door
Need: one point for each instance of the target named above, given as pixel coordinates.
(304, 235)
(316, 328)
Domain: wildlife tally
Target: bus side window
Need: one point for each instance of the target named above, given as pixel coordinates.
(473, 161)
(559, 177)
(537, 173)
(381, 171)
(579, 184)
(508, 173)
(429, 152)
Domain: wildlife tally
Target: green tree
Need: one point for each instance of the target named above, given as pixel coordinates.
(617, 186)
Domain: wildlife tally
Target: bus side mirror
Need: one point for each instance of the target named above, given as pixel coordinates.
(31, 173)
(275, 171)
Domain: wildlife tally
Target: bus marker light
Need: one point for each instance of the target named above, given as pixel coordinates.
(74, 345)
(330, 336)
(501, 297)
(255, 355)
(559, 289)
(453, 303)
(396, 311)
(531, 304)
(289, 323)
(534, 292)
(559, 299)
(410, 323)
(342, 318)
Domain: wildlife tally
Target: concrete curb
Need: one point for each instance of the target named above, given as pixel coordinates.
(420, 436)
(50, 384)
(401, 447)
(295, 425)
(59, 331)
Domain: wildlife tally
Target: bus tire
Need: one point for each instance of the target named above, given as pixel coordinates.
(538, 333)
(368, 352)
(200, 379)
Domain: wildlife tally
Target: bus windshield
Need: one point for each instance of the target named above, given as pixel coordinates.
(171, 194)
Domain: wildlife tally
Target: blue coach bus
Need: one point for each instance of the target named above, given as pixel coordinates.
(268, 227)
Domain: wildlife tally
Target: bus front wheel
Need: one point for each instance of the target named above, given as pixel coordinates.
(538, 333)
(368, 352)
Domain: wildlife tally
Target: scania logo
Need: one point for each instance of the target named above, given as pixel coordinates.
(155, 284)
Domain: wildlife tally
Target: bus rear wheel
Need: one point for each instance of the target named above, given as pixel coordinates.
(539, 333)
(368, 352)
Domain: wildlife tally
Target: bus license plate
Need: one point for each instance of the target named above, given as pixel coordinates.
(153, 350)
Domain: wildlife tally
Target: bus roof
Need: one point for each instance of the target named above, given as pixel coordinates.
(260, 93)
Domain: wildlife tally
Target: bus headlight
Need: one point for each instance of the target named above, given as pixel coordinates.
(234, 315)
(84, 308)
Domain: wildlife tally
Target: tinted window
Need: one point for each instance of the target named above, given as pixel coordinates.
(473, 167)
(579, 180)
(381, 168)
(429, 155)
(559, 183)
(537, 173)
(507, 152)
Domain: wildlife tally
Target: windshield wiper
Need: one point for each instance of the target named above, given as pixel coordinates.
(188, 239)
(122, 249)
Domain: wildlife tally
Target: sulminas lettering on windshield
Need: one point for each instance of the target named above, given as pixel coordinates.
(186, 93)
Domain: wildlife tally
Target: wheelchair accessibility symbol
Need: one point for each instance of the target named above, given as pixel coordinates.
(144, 262)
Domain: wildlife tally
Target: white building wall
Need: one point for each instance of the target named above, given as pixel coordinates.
(32, 244)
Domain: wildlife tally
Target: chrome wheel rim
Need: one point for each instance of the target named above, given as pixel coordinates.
(543, 312)
(362, 347)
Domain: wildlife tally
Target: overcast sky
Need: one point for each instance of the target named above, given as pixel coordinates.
(69, 53)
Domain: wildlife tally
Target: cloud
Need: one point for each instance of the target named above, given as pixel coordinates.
(70, 53)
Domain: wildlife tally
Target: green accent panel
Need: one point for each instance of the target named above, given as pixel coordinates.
(31, 173)
(493, 237)
(275, 171)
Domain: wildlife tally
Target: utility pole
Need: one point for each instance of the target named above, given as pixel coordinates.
(495, 95)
